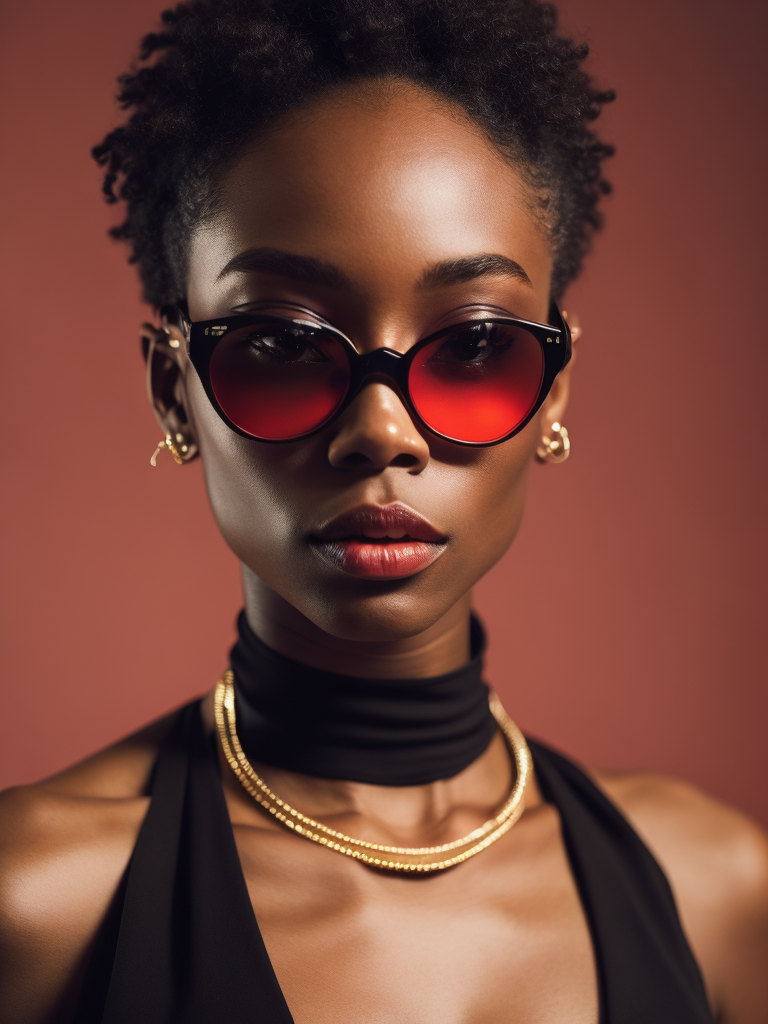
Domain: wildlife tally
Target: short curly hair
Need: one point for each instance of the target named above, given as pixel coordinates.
(221, 71)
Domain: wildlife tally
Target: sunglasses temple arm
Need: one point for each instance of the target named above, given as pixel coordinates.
(557, 319)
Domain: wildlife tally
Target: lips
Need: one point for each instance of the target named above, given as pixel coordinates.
(379, 542)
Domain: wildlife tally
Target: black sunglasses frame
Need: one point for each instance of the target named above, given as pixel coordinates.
(383, 364)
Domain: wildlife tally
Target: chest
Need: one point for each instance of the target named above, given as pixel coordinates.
(500, 938)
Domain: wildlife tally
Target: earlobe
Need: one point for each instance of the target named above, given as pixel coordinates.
(162, 351)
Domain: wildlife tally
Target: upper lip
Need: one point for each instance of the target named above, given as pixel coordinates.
(394, 521)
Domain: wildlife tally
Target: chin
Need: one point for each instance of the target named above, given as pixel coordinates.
(375, 611)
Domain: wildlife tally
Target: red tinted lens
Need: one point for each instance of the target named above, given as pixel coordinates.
(478, 382)
(277, 381)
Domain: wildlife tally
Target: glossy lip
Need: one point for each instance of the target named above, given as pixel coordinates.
(379, 542)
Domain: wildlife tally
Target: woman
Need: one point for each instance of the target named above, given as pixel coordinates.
(356, 224)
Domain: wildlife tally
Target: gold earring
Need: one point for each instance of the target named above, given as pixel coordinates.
(176, 453)
(555, 448)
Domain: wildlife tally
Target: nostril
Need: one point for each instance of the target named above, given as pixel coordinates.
(405, 460)
(355, 459)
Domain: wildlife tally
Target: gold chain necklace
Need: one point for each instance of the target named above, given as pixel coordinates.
(397, 858)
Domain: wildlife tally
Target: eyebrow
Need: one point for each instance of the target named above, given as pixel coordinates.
(310, 270)
(287, 264)
(467, 268)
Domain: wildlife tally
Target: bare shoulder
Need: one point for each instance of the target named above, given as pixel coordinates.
(64, 845)
(694, 835)
(716, 860)
(51, 813)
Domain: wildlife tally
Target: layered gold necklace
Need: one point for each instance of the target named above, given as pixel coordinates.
(391, 858)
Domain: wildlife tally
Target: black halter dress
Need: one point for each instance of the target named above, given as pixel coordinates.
(181, 944)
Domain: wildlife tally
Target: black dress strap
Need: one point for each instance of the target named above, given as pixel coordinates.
(647, 972)
(187, 949)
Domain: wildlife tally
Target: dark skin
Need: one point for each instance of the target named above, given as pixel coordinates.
(383, 183)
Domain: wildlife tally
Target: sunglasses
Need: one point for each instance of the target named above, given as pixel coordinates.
(475, 383)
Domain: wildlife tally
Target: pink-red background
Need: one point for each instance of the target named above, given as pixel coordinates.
(628, 623)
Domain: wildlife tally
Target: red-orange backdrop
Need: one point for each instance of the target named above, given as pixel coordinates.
(627, 625)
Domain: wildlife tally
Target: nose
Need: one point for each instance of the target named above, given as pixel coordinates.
(376, 431)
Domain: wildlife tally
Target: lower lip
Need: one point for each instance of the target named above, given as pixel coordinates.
(377, 560)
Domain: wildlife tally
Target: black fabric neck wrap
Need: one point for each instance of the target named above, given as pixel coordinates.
(387, 732)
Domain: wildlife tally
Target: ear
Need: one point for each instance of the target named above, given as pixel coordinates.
(164, 352)
(556, 403)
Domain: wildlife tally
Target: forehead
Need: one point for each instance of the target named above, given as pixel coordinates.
(381, 179)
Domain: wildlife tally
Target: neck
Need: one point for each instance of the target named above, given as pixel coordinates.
(442, 647)
(414, 813)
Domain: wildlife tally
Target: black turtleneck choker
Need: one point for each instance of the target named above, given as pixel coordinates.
(388, 732)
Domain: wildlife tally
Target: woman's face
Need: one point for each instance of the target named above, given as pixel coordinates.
(381, 184)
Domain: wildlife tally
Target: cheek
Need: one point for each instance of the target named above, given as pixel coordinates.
(252, 513)
(493, 503)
